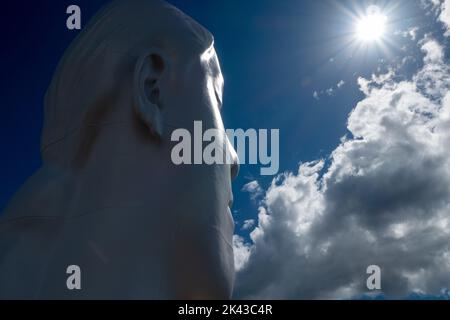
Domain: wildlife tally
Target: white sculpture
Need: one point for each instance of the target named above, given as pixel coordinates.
(108, 199)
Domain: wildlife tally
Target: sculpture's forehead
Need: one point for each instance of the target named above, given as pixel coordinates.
(126, 24)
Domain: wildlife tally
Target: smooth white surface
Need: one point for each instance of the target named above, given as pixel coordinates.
(108, 197)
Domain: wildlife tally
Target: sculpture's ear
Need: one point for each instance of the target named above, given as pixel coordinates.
(150, 69)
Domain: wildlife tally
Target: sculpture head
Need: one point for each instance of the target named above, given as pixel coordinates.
(140, 69)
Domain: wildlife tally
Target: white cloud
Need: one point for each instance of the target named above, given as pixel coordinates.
(248, 224)
(383, 199)
(445, 16)
(433, 80)
(253, 188)
(316, 95)
(385, 79)
(330, 91)
(433, 4)
(410, 33)
(241, 252)
(434, 52)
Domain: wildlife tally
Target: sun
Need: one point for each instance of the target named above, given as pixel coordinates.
(372, 26)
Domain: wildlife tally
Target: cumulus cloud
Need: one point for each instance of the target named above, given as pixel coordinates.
(410, 33)
(445, 16)
(366, 85)
(433, 80)
(254, 189)
(433, 52)
(241, 252)
(382, 198)
(248, 224)
(435, 5)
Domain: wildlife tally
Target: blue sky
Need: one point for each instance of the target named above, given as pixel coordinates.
(274, 56)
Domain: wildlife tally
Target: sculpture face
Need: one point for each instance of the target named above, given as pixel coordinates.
(138, 225)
